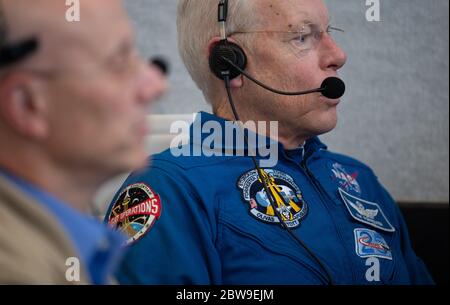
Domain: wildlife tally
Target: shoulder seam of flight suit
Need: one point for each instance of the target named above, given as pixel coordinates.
(346, 160)
(192, 166)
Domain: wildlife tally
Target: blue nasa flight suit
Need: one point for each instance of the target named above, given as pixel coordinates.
(216, 227)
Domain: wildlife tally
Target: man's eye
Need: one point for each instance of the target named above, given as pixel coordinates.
(302, 39)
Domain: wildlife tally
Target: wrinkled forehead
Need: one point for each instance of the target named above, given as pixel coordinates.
(292, 13)
(102, 23)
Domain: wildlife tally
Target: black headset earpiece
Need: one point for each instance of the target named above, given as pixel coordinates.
(231, 51)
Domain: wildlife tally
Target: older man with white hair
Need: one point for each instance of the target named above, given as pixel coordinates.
(314, 217)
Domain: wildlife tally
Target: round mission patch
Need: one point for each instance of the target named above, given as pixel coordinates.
(286, 193)
(135, 211)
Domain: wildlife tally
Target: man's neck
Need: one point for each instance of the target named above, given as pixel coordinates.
(75, 189)
(289, 140)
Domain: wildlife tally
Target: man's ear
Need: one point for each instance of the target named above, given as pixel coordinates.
(22, 106)
(237, 82)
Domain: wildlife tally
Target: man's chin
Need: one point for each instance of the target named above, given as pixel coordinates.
(325, 127)
(132, 162)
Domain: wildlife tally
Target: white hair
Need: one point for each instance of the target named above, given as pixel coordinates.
(197, 23)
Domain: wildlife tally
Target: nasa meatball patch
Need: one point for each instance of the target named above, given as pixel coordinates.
(345, 180)
(135, 211)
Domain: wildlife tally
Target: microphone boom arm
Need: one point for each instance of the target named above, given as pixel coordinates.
(267, 87)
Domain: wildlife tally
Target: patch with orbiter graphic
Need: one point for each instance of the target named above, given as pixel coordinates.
(293, 208)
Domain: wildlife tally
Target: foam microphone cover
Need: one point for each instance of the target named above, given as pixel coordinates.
(334, 88)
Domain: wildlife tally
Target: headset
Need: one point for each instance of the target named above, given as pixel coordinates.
(13, 53)
(225, 50)
(227, 61)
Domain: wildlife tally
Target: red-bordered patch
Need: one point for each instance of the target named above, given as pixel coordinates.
(135, 211)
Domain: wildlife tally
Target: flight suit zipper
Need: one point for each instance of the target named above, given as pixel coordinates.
(323, 197)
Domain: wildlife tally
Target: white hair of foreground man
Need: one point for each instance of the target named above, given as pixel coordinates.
(197, 23)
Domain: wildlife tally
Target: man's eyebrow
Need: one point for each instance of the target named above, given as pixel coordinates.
(299, 23)
(307, 19)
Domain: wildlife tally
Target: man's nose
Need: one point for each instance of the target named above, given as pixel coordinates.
(332, 55)
(152, 83)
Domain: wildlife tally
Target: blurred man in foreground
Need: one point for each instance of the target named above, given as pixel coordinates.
(73, 105)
